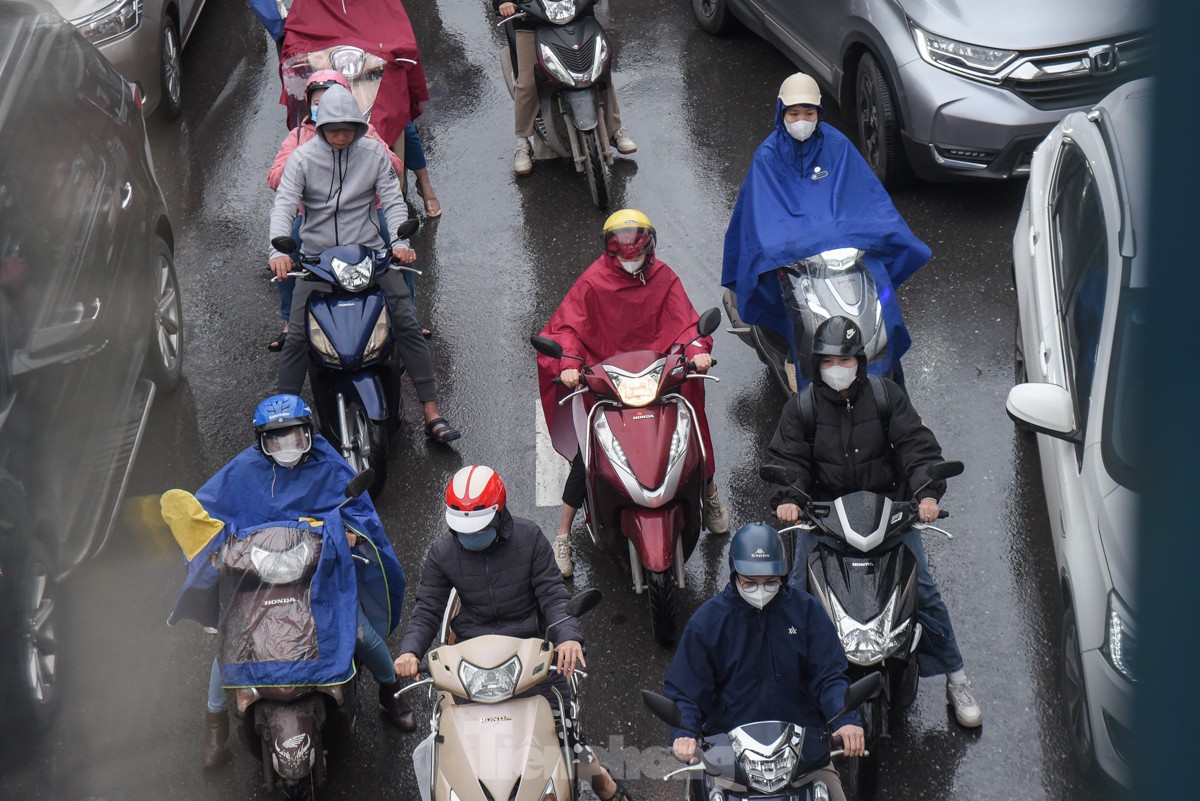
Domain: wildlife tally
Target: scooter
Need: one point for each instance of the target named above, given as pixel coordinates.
(350, 346)
(267, 575)
(769, 759)
(574, 59)
(834, 282)
(866, 578)
(645, 466)
(515, 748)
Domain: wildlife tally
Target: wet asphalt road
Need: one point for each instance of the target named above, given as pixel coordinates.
(497, 264)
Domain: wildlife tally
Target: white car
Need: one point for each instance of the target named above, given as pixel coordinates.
(1079, 263)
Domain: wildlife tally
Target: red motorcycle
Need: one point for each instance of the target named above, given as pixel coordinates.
(645, 465)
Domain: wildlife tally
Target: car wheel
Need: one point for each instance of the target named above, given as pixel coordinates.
(713, 15)
(170, 69)
(878, 125)
(1079, 720)
(164, 356)
(32, 691)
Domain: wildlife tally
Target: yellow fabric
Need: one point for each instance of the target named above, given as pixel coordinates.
(192, 527)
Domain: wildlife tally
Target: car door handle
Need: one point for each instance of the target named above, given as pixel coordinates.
(1033, 238)
(126, 194)
(1045, 351)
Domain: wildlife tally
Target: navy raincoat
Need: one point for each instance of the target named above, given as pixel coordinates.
(736, 665)
(800, 199)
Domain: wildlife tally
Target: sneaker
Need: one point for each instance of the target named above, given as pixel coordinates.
(522, 160)
(966, 709)
(562, 555)
(624, 144)
(716, 516)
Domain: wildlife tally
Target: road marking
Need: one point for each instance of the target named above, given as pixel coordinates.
(552, 469)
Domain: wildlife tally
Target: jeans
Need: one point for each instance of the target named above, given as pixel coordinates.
(937, 653)
(370, 649)
(414, 151)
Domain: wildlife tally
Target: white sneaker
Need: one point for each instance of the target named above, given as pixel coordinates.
(966, 709)
(522, 160)
(716, 515)
(562, 555)
(624, 144)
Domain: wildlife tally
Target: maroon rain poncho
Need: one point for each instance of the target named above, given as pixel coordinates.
(606, 312)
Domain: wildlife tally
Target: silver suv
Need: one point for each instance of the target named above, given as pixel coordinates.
(951, 91)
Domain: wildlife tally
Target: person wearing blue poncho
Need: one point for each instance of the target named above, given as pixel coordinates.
(808, 190)
(293, 474)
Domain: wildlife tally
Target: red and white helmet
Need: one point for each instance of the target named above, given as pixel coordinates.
(473, 497)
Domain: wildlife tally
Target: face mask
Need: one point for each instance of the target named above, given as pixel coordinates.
(312, 113)
(477, 541)
(632, 267)
(288, 459)
(800, 129)
(838, 377)
(758, 597)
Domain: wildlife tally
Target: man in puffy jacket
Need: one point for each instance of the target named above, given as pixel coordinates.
(504, 571)
(761, 650)
(851, 445)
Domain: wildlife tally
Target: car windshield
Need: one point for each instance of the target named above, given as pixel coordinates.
(1122, 449)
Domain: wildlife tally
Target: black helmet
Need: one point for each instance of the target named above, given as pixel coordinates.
(838, 336)
(757, 550)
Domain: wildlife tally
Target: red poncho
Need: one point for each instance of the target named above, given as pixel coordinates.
(606, 312)
(380, 27)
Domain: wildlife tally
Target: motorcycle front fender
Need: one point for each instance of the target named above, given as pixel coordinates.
(292, 732)
(365, 387)
(653, 533)
(584, 107)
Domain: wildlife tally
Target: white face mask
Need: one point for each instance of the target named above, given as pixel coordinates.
(632, 267)
(839, 377)
(800, 129)
(288, 459)
(758, 597)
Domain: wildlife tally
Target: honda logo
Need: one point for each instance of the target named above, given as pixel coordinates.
(1102, 60)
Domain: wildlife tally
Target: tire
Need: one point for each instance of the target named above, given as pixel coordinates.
(1079, 722)
(661, 590)
(31, 694)
(713, 16)
(164, 355)
(859, 777)
(170, 69)
(878, 125)
(597, 171)
(369, 446)
(299, 790)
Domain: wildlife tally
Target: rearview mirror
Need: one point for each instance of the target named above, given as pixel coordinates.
(408, 228)
(665, 709)
(708, 322)
(584, 602)
(775, 474)
(360, 483)
(284, 244)
(858, 692)
(1046, 408)
(546, 346)
(943, 470)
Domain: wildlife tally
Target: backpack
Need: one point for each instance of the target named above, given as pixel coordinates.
(808, 412)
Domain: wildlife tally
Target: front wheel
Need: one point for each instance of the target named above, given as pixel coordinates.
(170, 69)
(1079, 718)
(858, 776)
(164, 357)
(367, 440)
(661, 590)
(878, 124)
(31, 697)
(713, 15)
(596, 169)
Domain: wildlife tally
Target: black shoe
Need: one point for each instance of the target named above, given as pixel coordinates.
(395, 707)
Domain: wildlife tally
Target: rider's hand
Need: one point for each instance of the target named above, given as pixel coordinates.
(281, 266)
(788, 512)
(569, 653)
(703, 361)
(404, 255)
(407, 666)
(685, 750)
(508, 9)
(854, 741)
(351, 538)
(928, 510)
(569, 378)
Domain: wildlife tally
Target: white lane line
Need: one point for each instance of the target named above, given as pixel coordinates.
(552, 469)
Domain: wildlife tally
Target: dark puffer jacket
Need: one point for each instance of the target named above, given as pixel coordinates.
(512, 587)
(849, 449)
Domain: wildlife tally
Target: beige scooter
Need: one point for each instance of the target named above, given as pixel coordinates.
(512, 748)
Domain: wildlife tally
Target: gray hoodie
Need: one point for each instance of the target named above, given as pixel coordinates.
(337, 188)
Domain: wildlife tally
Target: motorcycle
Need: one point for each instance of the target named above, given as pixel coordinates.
(515, 748)
(769, 759)
(834, 282)
(350, 344)
(572, 73)
(645, 466)
(866, 579)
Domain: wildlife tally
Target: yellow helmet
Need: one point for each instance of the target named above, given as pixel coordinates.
(629, 235)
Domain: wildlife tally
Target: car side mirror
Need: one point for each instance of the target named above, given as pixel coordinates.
(284, 244)
(546, 346)
(408, 228)
(708, 322)
(1046, 408)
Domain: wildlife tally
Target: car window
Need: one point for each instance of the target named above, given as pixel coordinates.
(1123, 423)
(1079, 239)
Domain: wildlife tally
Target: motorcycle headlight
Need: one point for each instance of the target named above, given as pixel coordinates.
(636, 390)
(353, 277)
(379, 337)
(679, 439)
(489, 684)
(561, 12)
(111, 21)
(600, 61)
(612, 448)
(555, 67)
(349, 61)
(317, 338)
(872, 642)
(281, 567)
(968, 60)
(1120, 642)
(766, 772)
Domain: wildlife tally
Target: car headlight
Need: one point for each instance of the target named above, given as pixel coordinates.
(765, 772)
(560, 12)
(555, 67)
(353, 277)
(349, 61)
(281, 567)
(636, 390)
(971, 61)
(612, 448)
(872, 642)
(111, 21)
(489, 684)
(1120, 641)
(317, 338)
(379, 337)
(679, 439)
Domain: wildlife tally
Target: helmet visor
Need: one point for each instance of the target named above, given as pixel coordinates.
(628, 243)
(287, 445)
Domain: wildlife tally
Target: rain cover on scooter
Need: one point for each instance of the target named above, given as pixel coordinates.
(803, 198)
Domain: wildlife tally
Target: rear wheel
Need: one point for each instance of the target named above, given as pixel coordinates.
(879, 125)
(31, 697)
(596, 169)
(713, 15)
(164, 357)
(170, 69)
(661, 589)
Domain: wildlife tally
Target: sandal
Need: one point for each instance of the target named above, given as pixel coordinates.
(276, 345)
(621, 793)
(440, 431)
(425, 332)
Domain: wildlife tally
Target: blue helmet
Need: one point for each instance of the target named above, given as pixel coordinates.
(757, 550)
(283, 424)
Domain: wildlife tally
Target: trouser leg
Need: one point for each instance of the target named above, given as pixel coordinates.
(414, 151)
(832, 780)
(937, 653)
(372, 651)
(216, 692)
(575, 488)
(612, 112)
(525, 97)
(293, 361)
(411, 347)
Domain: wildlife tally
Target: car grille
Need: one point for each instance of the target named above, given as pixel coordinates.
(577, 61)
(1072, 78)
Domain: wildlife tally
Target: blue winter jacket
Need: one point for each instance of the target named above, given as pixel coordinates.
(736, 664)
